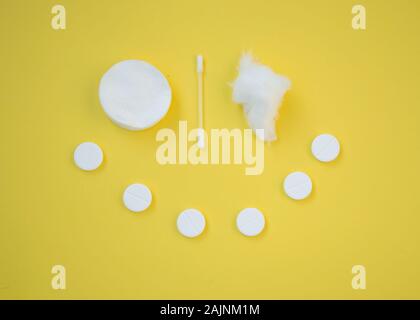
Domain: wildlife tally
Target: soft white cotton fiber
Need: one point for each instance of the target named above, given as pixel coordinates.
(260, 91)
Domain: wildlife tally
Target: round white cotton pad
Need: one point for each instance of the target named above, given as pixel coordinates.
(297, 185)
(250, 222)
(137, 197)
(325, 147)
(191, 223)
(134, 94)
(88, 156)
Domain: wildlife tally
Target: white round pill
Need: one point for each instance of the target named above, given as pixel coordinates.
(137, 197)
(250, 222)
(297, 185)
(191, 223)
(134, 94)
(88, 156)
(325, 147)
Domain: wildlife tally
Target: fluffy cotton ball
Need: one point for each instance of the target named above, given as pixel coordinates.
(260, 91)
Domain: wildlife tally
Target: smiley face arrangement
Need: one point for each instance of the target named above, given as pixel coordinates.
(135, 95)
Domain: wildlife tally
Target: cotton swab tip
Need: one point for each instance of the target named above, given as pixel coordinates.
(200, 64)
(201, 139)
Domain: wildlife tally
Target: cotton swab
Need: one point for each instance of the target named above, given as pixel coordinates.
(200, 70)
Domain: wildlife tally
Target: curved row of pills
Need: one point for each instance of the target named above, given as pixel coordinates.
(191, 223)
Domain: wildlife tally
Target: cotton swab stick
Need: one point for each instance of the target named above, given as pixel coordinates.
(200, 70)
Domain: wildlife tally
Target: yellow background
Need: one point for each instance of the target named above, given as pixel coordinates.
(362, 86)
